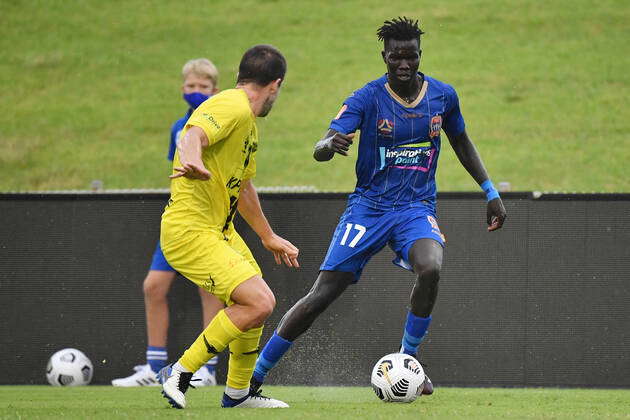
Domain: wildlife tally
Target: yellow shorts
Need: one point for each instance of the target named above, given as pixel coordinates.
(211, 260)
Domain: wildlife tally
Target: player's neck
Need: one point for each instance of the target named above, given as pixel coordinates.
(407, 91)
(255, 95)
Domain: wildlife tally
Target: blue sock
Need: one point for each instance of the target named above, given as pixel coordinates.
(415, 330)
(270, 355)
(212, 364)
(157, 357)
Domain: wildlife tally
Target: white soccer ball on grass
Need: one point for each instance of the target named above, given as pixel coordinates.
(397, 377)
(69, 367)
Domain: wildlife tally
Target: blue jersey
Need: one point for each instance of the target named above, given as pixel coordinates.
(400, 142)
(176, 129)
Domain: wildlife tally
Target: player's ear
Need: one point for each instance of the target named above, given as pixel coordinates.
(384, 57)
(276, 84)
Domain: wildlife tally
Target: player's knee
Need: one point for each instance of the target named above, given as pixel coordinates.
(154, 290)
(428, 270)
(264, 307)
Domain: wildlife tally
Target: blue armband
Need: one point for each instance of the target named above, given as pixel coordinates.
(488, 188)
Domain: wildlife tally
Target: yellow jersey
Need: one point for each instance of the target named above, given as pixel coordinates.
(195, 205)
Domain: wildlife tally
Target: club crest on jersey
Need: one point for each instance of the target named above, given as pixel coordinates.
(385, 127)
(436, 126)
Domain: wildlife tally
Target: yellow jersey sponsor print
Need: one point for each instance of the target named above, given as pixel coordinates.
(195, 205)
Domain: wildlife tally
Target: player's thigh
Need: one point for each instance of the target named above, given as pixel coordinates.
(210, 262)
(360, 234)
(413, 225)
(209, 300)
(252, 292)
(330, 285)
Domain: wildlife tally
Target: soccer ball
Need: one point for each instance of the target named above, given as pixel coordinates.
(397, 377)
(69, 367)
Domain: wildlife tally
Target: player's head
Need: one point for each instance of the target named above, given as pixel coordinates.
(200, 80)
(264, 66)
(401, 47)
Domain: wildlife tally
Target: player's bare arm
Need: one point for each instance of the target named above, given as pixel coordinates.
(249, 207)
(189, 149)
(469, 157)
(333, 142)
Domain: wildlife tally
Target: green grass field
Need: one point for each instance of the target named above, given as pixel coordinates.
(90, 88)
(99, 402)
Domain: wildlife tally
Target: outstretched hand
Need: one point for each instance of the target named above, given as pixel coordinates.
(496, 214)
(283, 250)
(340, 143)
(192, 171)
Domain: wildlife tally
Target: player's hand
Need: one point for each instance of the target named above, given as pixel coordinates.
(496, 214)
(283, 250)
(192, 171)
(340, 143)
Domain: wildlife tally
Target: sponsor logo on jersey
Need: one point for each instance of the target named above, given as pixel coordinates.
(436, 126)
(385, 127)
(416, 156)
(211, 120)
(233, 182)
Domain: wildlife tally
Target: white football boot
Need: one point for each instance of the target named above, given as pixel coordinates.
(203, 377)
(174, 385)
(253, 400)
(143, 376)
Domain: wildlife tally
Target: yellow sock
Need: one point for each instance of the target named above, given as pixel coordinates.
(216, 337)
(243, 355)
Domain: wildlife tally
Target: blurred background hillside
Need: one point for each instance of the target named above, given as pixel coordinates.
(89, 89)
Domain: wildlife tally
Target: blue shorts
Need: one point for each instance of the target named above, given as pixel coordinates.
(363, 231)
(159, 263)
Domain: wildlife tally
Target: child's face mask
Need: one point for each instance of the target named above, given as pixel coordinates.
(195, 99)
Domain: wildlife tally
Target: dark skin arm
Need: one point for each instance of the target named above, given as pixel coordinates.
(332, 142)
(470, 159)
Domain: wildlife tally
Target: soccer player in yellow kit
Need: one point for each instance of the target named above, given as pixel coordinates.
(212, 171)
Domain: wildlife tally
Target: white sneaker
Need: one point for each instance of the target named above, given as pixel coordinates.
(203, 377)
(144, 376)
(174, 385)
(254, 400)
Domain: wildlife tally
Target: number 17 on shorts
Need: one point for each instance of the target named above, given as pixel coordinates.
(359, 234)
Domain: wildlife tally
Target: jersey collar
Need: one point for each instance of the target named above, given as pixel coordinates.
(404, 103)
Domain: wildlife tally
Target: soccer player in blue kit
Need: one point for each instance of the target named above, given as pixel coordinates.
(400, 116)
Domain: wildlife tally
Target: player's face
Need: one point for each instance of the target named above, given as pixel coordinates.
(195, 83)
(402, 59)
(273, 95)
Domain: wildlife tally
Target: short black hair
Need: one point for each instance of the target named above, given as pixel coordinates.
(261, 64)
(400, 29)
